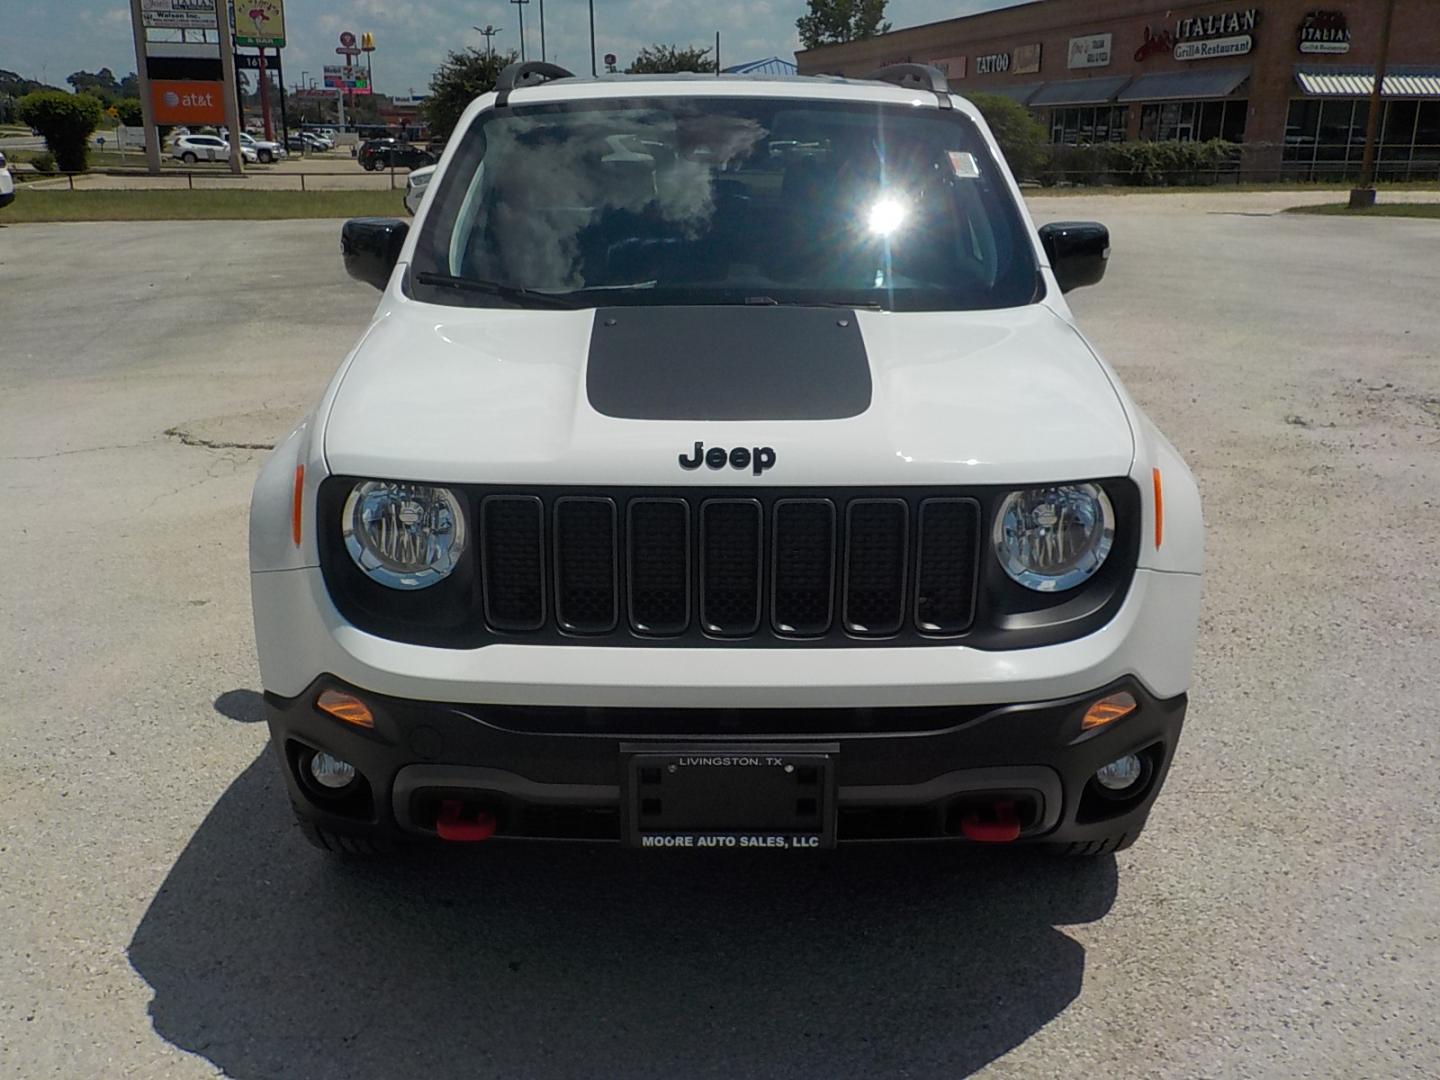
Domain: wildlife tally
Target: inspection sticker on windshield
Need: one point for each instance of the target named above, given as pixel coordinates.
(964, 165)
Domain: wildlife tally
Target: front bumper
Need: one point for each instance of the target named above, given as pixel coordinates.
(556, 773)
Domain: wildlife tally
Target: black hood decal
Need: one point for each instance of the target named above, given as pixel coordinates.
(727, 363)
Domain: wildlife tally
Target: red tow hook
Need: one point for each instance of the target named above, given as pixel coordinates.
(451, 826)
(997, 826)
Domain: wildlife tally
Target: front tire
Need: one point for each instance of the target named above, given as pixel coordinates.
(266, 157)
(345, 845)
(1106, 845)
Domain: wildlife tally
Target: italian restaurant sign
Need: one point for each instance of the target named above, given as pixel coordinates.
(1324, 32)
(1204, 37)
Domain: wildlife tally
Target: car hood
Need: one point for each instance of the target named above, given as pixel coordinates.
(621, 395)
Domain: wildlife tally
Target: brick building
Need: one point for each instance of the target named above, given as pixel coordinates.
(1287, 79)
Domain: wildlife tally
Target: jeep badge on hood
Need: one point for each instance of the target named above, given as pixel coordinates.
(758, 458)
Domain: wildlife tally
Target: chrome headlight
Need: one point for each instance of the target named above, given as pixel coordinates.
(1054, 538)
(406, 536)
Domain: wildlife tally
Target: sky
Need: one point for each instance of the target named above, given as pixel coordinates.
(48, 39)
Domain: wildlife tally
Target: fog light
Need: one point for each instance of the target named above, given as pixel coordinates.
(330, 772)
(1121, 774)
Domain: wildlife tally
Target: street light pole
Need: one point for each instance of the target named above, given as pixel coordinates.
(1364, 195)
(593, 72)
(542, 30)
(520, 7)
(487, 33)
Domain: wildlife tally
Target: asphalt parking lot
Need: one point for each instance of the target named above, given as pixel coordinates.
(164, 919)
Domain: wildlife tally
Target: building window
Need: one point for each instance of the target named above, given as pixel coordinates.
(1326, 138)
(1088, 124)
(1186, 120)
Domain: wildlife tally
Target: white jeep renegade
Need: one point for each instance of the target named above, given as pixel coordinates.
(723, 468)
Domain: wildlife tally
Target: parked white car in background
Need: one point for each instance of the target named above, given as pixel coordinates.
(7, 184)
(193, 148)
(415, 185)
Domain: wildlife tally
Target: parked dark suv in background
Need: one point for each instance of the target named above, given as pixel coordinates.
(387, 153)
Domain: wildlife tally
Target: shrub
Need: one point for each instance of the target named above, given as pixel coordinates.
(1151, 164)
(1086, 164)
(44, 162)
(1022, 140)
(66, 121)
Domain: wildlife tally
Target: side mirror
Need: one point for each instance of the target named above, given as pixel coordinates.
(370, 247)
(1078, 251)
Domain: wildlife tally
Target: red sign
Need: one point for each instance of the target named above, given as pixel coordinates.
(184, 101)
(1155, 42)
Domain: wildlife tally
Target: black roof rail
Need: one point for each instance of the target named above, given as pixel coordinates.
(526, 73)
(915, 77)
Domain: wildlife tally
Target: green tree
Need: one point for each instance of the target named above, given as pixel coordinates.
(832, 21)
(129, 112)
(66, 121)
(101, 84)
(1022, 140)
(463, 77)
(670, 60)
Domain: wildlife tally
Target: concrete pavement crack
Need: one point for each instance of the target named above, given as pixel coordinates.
(81, 450)
(187, 439)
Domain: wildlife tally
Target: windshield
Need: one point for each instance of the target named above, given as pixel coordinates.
(724, 201)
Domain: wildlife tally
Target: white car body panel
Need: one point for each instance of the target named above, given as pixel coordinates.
(959, 398)
(299, 633)
(416, 184)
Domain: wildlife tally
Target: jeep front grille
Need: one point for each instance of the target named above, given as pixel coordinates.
(717, 566)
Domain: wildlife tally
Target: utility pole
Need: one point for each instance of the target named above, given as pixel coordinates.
(1364, 195)
(227, 75)
(520, 7)
(487, 33)
(542, 31)
(593, 72)
(147, 110)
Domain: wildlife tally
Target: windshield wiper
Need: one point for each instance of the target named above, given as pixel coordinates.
(494, 288)
(770, 301)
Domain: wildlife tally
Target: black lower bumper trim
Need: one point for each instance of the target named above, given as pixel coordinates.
(890, 785)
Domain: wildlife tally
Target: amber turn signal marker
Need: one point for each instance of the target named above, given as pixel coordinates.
(297, 504)
(1159, 510)
(1107, 710)
(346, 708)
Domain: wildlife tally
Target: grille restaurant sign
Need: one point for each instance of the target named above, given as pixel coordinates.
(1090, 51)
(1324, 32)
(1204, 37)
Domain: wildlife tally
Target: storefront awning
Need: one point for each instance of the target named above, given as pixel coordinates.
(1079, 92)
(1358, 82)
(1022, 94)
(1173, 85)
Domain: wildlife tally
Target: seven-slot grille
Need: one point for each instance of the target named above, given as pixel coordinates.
(728, 567)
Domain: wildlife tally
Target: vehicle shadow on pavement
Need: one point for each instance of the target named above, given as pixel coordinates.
(271, 960)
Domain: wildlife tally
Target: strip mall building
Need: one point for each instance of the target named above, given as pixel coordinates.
(1287, 79)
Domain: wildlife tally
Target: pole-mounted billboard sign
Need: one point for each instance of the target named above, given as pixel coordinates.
(260, 24)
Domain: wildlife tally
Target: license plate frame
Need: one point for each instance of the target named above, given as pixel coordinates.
(750, 797)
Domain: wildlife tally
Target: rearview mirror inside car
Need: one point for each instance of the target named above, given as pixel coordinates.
(1078, 251)
(370, 247)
